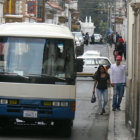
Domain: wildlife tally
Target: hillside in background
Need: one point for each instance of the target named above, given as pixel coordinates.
(98, 10)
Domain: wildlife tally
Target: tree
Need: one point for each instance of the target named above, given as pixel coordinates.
(98, 10)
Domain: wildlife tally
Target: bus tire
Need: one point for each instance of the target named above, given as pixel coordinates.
(6, 123)
(64, 127)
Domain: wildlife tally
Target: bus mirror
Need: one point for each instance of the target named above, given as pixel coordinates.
(79, 65)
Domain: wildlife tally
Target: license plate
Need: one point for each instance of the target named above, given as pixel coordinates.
(30, 114)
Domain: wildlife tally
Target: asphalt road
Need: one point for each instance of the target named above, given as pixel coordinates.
(88, 125)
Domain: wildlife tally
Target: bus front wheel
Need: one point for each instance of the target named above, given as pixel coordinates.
(64, 127)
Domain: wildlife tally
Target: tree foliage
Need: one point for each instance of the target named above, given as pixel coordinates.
(98, 10)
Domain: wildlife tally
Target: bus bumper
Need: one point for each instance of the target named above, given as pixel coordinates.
(37, 109)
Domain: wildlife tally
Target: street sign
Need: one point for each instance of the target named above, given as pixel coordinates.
(62, 19)
(119, 20)
(50, 16)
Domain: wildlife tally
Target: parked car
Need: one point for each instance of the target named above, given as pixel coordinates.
(98, 38)
(91, 65)
(79, 36)
(91, 53)
(79, 42)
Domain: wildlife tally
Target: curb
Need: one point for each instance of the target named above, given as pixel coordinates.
(111, 121)
(111, 125)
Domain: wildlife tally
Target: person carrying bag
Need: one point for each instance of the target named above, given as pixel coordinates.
(93, 98)
(102, 79)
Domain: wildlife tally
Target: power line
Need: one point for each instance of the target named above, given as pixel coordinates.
(98, 1)
(94, 9)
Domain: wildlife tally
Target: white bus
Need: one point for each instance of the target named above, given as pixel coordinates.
(37, 74)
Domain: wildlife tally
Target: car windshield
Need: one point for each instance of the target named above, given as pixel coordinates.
(103, 62)
(92, 53)
(100, 61)
(96, 35)
(36, 56)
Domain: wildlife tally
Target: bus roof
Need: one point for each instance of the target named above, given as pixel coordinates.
(41, 30)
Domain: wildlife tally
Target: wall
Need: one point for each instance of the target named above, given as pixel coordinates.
(133, 64)
(1, 11)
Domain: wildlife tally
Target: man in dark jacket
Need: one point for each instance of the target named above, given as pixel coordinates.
(92, 39)
(87, 38)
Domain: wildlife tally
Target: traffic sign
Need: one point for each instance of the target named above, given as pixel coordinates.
(119, 20)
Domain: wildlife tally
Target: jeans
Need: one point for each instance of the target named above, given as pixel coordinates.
(118, 94)
(102, 93)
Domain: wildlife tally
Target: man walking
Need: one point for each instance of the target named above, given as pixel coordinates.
(117, 77)
(87, 38)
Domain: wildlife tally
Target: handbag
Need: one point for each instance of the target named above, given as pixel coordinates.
(93, 98)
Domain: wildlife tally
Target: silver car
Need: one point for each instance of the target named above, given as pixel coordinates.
(98, 38)
(91, 53)
(79, 36)
(79, 42)
(91, 65)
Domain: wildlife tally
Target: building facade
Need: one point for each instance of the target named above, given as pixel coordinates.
(133, 68)
(49, 11)
(120, 15)
(1, 11)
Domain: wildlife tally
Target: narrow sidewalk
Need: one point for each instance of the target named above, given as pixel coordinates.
(117, 129)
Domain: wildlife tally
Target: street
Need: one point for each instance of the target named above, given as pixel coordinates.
(87, 124)
(44, 88)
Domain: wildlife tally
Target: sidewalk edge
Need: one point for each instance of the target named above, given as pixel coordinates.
(111, 124)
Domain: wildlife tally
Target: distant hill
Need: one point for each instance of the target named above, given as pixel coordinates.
(98, 11)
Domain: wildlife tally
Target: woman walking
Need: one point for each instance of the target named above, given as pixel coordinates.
(102, 79)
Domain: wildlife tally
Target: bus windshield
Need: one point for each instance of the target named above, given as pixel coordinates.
(36, 57)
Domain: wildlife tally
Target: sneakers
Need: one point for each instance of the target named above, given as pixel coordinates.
(113, 109)
(118, 109)
(103, 110)
(101, 113)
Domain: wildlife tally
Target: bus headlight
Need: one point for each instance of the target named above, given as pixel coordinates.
(56, 103)
(64, 104)
(3, 101)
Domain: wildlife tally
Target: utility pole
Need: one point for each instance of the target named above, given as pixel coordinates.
(10, 6)
(115, 15)
(109, 14)
(41, 9)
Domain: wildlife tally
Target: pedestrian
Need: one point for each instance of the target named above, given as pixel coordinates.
(92, 39)
(110, 40)
(87, 38)
(124, 50)
(102, 79)
(120, 39)
(83, 34)
(120, 48)
(117, 37)
(116, 50)
(117, 77)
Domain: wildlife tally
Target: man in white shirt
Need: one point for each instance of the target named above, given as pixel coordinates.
(117, 78)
